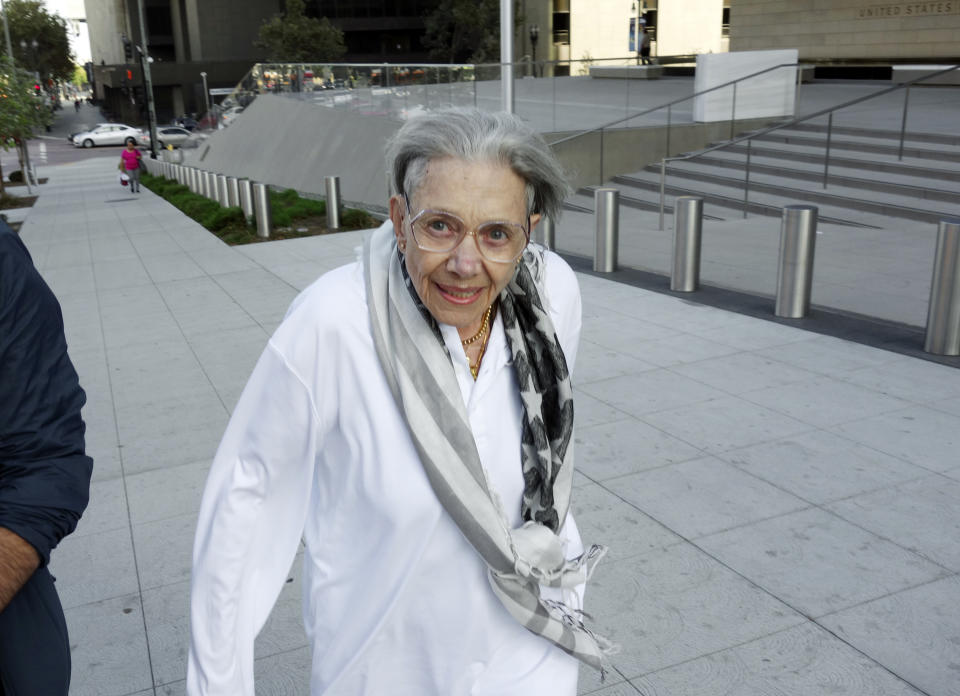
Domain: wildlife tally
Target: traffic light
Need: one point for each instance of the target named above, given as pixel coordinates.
(129, 74)
(127, 50)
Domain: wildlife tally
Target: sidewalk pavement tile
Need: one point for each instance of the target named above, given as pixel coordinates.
(724, 423)
(922, 516)
(824, 401)
(626, 446)
(703, 496)
(109, 647)
(818, 563)
(182, 488)
(895, 631)
(923, 436)
(739, 373)
(94, 567)
(602, 515)
(821, 467)
(799, 660)
(674, 604)
(650, 392)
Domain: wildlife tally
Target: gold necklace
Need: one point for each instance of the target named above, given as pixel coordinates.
(483, 329)
(475, 367)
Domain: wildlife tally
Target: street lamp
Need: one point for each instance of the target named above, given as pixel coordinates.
(206, 93)
(534, 35)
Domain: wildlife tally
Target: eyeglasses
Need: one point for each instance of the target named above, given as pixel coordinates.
(439, 231)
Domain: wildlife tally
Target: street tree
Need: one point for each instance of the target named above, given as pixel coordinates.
(30, 24)
(22, 113)
(466, 31)
(292, 37)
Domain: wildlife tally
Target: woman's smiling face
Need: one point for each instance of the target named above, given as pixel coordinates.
(457, 286)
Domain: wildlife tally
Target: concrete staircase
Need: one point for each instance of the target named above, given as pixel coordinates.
(868, 185)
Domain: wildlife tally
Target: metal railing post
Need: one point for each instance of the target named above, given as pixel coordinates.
(600, 183)
(669, 118)
(903, 123)
(663, 179)
(332, 186)
(943, 312)
(746, 183)
(607, 206)
(261, 210)
(798, 236)
(233, 192)
(687, 228)
(546, 232)
(245, 187)
(733, 110)
(826, 154)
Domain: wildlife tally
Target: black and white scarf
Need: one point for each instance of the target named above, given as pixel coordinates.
(421, 377)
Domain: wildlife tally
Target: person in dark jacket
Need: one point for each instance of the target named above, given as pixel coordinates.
(44, 474)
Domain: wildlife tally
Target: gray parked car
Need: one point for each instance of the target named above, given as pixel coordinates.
(167, 135)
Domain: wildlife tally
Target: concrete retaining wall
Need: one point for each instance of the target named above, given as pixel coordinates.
(294, 144)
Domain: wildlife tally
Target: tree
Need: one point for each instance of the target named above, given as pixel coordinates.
(295, 38)
(30, 22)
(21, 111)
(466, 31)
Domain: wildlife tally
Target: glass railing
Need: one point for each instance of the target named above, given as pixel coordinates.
(400, 90)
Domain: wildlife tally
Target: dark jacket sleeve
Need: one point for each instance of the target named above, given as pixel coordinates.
(44, 472)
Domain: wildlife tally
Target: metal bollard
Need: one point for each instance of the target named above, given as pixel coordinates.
(687, 228)
(798, 236)
(607, 206)
(233, 192)
(211, 186)
(943, 312)
(222, 195)
(332, 186)
(246, 197)
(546, 233)
(261, 208)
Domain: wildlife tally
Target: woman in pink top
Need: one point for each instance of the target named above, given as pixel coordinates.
(130, 158)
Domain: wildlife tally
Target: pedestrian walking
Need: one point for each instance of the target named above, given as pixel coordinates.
(44, 474)
(644, 45)
(417, 435)
(76, 105)
(130, 162)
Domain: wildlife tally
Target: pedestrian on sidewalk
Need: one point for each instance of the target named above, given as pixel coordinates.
(130, 159)
(76, 105)
(417, 435)
(44, 474)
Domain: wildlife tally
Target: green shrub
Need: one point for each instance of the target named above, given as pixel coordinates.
(220, 218)
(355, 219)
(16, 176)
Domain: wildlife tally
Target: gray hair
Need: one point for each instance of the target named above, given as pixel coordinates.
(478, 136)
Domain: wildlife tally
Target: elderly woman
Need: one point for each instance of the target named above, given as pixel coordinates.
(411, 420)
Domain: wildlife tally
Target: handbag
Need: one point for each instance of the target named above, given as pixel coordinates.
(124, 179)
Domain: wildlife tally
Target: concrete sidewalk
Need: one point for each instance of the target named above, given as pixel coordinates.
(783, 508)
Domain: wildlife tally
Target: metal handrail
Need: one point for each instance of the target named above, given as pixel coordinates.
(678, 101)
(799, 119)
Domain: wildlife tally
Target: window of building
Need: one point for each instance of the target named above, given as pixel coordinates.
(561, 27)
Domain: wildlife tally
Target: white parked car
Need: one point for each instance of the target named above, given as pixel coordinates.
(167, 135)
(107, 134)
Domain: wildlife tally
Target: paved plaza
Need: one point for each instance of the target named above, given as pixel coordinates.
(782, 507)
